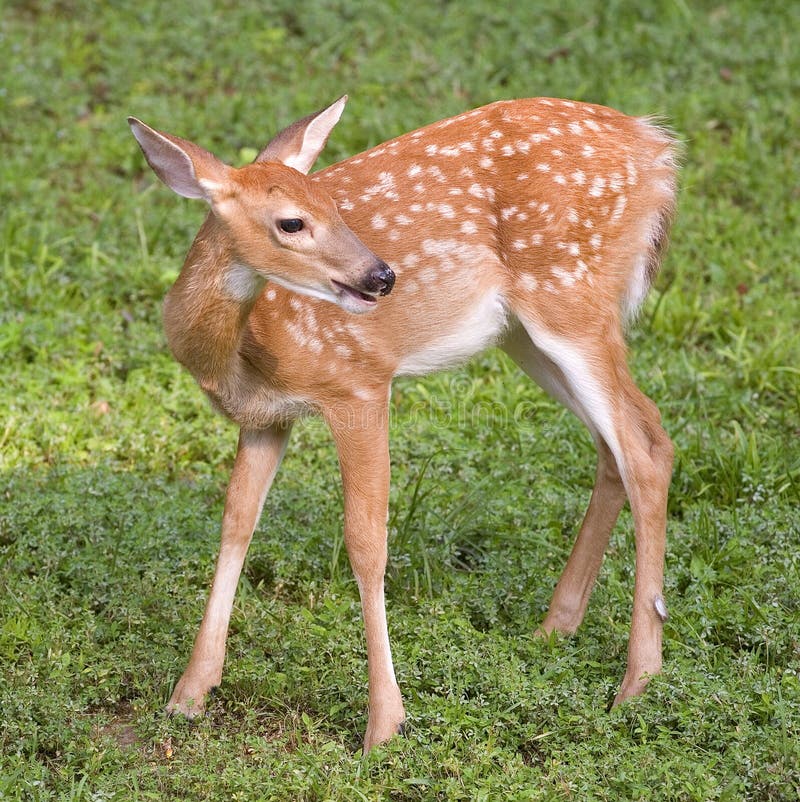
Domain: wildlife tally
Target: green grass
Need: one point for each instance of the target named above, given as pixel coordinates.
(113, 467)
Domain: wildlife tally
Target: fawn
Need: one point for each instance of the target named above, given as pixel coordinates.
(534, 225)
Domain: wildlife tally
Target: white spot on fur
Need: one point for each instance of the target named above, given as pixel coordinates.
(615, 182)
(566, 278)
(630, 169)
(386, 184)
(619, 209)
(597, 186)
(468, 227)
(297, 332)
(437, 173)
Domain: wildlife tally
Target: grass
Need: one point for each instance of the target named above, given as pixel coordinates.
(113, 467)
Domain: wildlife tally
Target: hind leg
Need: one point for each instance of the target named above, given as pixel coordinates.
(590, 375)
(571, 596)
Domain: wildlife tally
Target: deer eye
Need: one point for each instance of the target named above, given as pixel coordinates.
(292, 225)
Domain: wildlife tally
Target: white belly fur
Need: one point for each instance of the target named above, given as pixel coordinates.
(480, 327)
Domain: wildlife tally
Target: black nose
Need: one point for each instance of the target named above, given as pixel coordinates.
(380, 279)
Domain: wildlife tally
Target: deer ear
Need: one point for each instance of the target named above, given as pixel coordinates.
(183, 166)
(300, 144)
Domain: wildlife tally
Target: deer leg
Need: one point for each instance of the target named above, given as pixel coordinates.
(571, 596)
(596, 376)
(647, 474)
(362, 443)
(257, 459)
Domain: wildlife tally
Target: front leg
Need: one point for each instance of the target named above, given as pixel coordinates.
(257, 459)
(362, 440)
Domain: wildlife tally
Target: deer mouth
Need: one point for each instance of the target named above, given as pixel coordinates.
(354, 300)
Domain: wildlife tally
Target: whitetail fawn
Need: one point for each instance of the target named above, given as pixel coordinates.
(534, 225)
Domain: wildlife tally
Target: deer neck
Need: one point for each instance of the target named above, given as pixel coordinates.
(206, 310)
